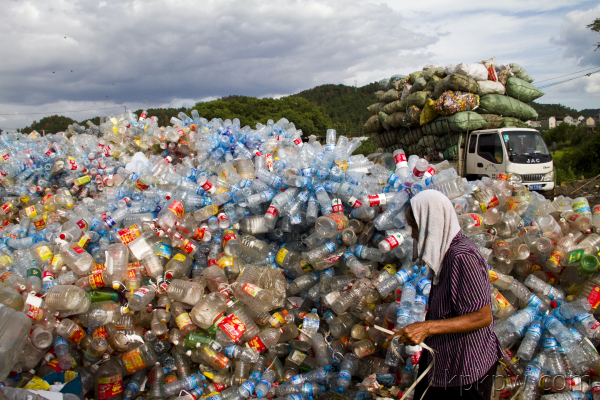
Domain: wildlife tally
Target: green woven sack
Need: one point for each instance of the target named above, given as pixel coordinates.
(373, 108)
(390, 95)
(372, 125)
(510, 121)
(506, 107)
(391, 108)
(382, 117)
(438, 126)
(415, 75)
(431, 72)
(418, 99)
(522, 90)
(395, 119)
(493, 121)
(456, 82)
(466, 121)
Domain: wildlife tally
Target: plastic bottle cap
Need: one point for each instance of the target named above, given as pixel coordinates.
(340, 390)
(589, 264)
(115, 286)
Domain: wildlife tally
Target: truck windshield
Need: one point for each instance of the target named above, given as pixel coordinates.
(525, 143)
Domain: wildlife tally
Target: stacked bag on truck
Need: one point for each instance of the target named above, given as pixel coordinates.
(426, 106)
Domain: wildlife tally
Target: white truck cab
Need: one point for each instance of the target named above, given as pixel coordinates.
(510, 150)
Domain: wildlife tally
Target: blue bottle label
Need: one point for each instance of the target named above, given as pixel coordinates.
(133, 386)
(190, 382)
(307, 171)
(423, 284)
(346, 256)
(535, 329)
(358, 250)
(310, 323)
(330, 246)
(231, 351)
(403, 276)
(308, 388)
(248, 386)
(534, 302)
(533, 372)
(109, 222)
(344, 375)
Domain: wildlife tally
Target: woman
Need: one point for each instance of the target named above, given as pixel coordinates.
(459, 323)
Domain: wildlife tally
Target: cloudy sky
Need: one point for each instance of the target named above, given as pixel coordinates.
(67, 56)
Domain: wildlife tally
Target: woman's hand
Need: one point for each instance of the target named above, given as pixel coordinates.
(413, 334)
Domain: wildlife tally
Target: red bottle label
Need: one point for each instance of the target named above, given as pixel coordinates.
(233, 327)
(257, 344)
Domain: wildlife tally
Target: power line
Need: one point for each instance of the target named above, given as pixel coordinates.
(567, 80)
(62, 112)
(556, 77)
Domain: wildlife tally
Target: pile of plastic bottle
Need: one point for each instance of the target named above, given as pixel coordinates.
(207, 260)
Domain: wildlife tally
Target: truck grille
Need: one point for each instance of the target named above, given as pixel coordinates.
(532, 178)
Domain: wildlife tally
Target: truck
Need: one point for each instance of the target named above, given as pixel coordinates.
(490, 152)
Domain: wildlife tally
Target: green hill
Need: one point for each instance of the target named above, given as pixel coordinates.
(341, 107)
(345, 105)
(52, 124)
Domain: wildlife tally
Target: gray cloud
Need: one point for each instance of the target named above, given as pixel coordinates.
(159, 51)
(578, 41)
(171, 53)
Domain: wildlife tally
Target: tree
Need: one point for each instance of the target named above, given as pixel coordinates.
(52, 124)
(595, 26)
(305, 115)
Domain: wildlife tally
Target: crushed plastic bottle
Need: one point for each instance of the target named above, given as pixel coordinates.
(209, 260)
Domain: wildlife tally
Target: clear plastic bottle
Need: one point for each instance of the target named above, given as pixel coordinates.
(255, 297)
(347, 369)
(321, 350)
(68, 300)
(330, 225)
(251, 246)
(187, 292)
(521, 318)
(265, 339)
(109, 381)
(117, 256)
(133, 386)
(187, 384)
(206, 311)
(141, 298)
(304, 282)
(531, 340)
(319, 252)
(155, 381)
(61, 349)
(532, 375)
(267, 379)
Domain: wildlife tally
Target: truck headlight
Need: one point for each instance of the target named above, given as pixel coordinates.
(549, 177)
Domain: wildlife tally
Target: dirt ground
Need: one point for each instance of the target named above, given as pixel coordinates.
(589, 188)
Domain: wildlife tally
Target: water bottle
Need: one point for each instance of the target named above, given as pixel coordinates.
(532, 375)
(530, 342)
(398, 279)
(521, 318)
(347, 369)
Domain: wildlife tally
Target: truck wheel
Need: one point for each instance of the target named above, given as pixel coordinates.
(471, 177)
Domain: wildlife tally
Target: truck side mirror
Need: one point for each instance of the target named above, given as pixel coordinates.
(511, 146)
